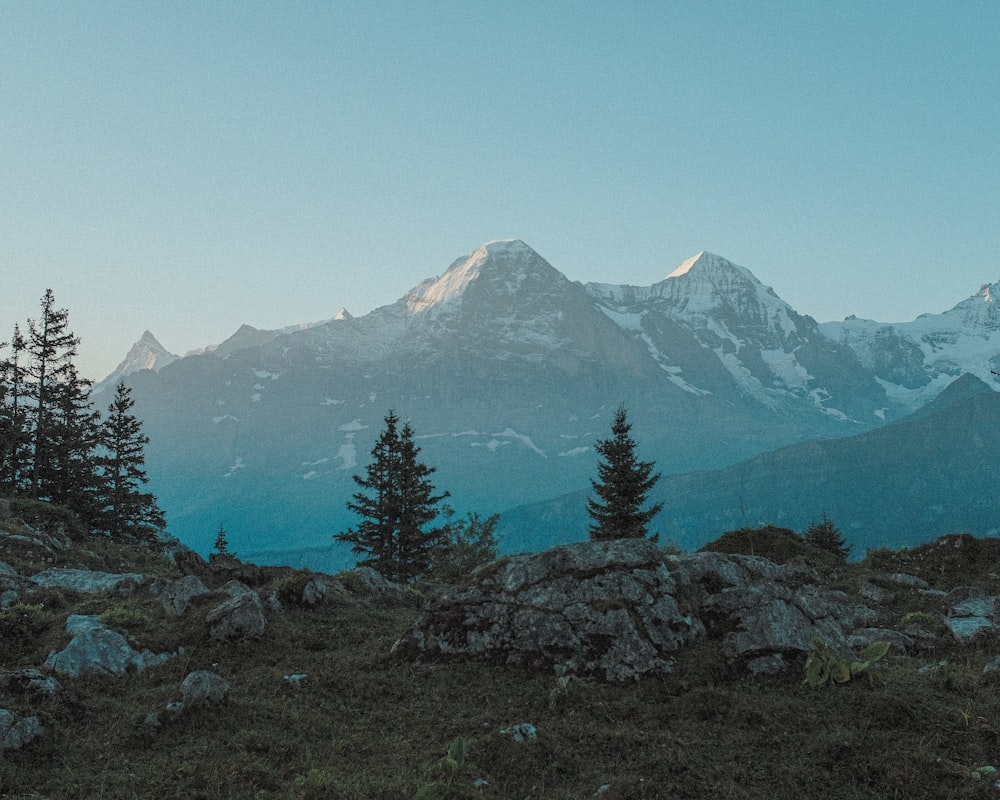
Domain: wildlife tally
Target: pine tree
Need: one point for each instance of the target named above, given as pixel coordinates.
(826, 536)
(396, 504)
(222, 543)
(51, 347)
(70, 474)
(127, 511)
(622, 487)
(14, 437)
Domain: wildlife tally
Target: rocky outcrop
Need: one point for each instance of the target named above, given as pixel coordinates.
(95, 649)
(619, 610)
(606, 609)
(764, 611)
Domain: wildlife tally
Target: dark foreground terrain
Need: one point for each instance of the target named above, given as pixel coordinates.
(319, 707)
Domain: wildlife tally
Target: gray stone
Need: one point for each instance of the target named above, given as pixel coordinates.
(242, 616)
(176, 596)
(7, 569)
(875, 594)
(17, 731)
(367, 581)
(975, 607)
(522, 732)
(760, 608)
(28, 680)
(203, 686)
(87, 581)
(969, 629)
(95, 649)
(904, 579)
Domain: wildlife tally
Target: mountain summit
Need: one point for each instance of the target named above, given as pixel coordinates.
(147, 353)
(505, 265)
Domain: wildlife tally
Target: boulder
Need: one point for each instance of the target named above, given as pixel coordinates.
(972, 615)
(17, 731)
(367, 581)
(12, 585)
(203, 686)
(606, 609)
(241, 616)
(87, 581)
(177, 595)
(95, 649)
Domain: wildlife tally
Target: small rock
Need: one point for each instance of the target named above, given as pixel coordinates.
(203, 686)
(29, 679)
(522, 732)
(903, 579)
(17, 731)
(296, 679)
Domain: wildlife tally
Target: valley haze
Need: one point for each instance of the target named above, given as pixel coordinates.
(509, 372)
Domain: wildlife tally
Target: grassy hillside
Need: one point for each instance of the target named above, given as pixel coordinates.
(364, 723)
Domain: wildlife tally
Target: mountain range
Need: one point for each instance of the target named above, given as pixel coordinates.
(508, 372)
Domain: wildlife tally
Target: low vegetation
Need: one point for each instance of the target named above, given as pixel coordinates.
(364, 723)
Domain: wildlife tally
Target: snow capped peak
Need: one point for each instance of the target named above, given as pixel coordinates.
(979, 312)
(702, 261)
(507, 261)
(344, 314)
(147, 353)
(685, 266)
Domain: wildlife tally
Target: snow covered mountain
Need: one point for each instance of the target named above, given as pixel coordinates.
(508, 372)
(771, 352)
(147, 353)
(915, 360)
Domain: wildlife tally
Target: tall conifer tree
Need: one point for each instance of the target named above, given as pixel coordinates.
(51, 347)
(396, 503)
(127, 510)
(14, 438)
(622, 487)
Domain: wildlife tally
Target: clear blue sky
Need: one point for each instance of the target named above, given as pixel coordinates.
(190, 166)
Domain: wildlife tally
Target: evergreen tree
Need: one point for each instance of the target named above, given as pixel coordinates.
(127, 510)
(222, 543)
(70, 474)
(396, 504)
(14, 438)
(51, 347)
(622, 486)
(826, 536)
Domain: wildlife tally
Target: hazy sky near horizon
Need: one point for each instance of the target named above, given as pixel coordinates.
(187, 167)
